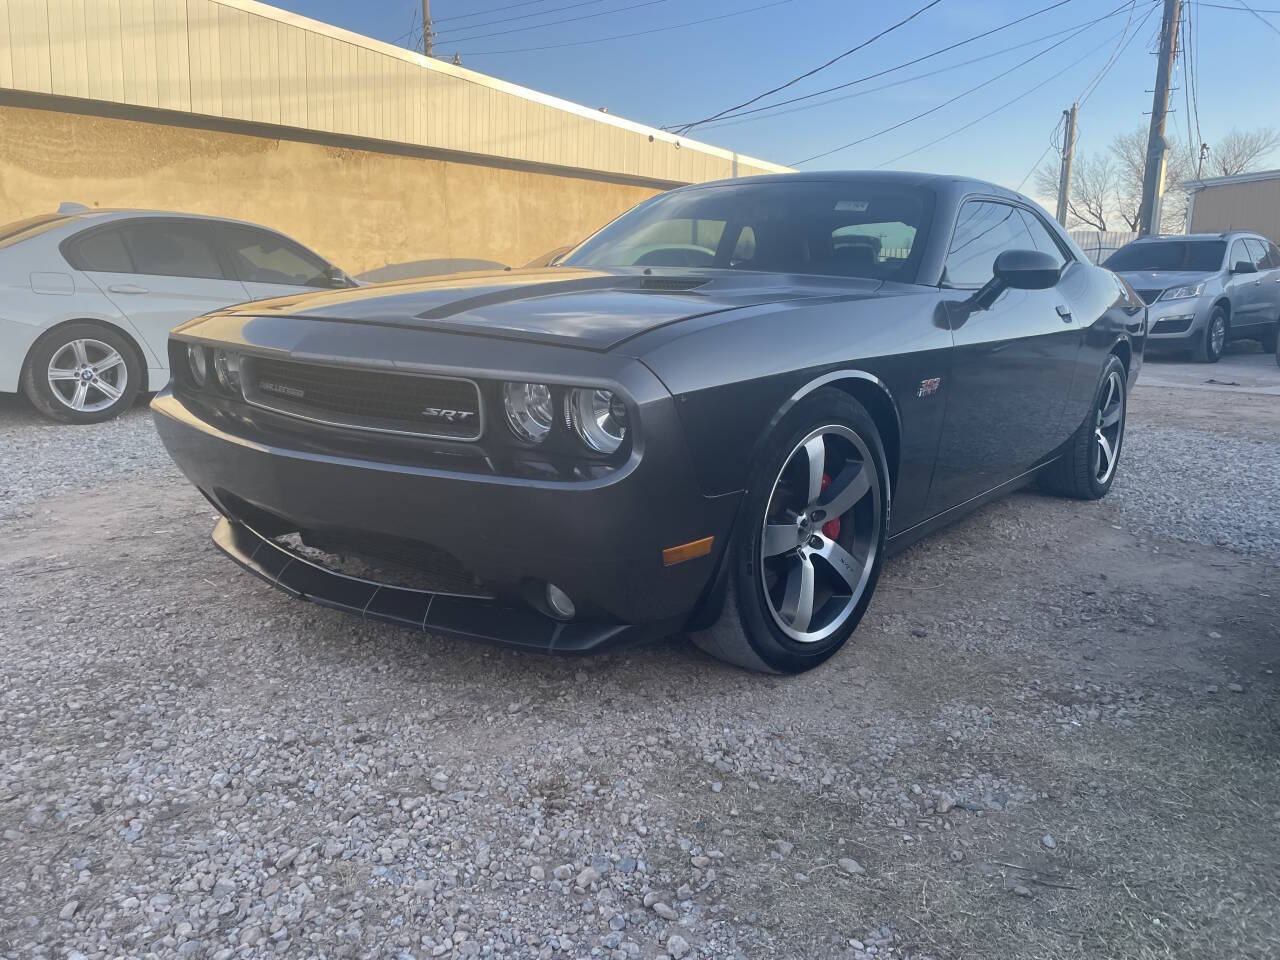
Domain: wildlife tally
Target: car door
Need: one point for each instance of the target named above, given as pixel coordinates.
(171, 274)
(1243, 289)
(1262, 313)
(1013, 363)
(272, 265)
(1270, 290)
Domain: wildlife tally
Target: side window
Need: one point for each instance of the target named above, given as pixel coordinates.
(1273, 256)
(260, 256)
(101, 251)
(744, 251)
(1044, 240)
(1257, 252)
(1239, 254)
(172, 248)
(983, 230)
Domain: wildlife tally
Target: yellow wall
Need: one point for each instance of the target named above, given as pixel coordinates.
(359, 208)
(1251, 205)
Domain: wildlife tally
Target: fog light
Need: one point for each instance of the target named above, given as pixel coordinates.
(559, 602)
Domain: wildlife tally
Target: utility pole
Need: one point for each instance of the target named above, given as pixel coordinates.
(1068, 151)
(1204, 152)
(426, 27)
(1157, 146)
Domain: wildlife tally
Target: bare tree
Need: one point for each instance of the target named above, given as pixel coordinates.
(1093, 187)
(1130, 152)
(1240, 151)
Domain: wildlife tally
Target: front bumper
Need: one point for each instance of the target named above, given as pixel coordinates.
(600, 542)
(1176, 323)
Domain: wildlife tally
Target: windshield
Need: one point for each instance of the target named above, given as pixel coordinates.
(1204, 256)
(842, 228)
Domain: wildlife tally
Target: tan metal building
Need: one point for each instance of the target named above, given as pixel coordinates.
(363, 150)
(1247, 201)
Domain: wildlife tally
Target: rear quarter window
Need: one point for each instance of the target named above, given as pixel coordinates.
(101, 251)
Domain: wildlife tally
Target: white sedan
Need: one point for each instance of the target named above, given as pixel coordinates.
(88, 297)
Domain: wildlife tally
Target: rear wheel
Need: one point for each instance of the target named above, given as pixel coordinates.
(809, 541)
(1209, 347)
(82, 372)
(1087, 468)
(1271, 339)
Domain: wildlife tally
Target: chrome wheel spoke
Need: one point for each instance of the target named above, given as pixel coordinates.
(82, 355)
(816, 450)
(109, 362)
(57, 373)
(82, 391)
(797, 602)
(851, 485)
(106, 389)
(1110, 415)
(779, 538)
(845, 565)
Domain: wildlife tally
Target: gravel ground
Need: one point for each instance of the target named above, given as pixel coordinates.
(1054, 737)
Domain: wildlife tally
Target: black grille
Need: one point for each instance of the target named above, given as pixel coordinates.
(1173, 325)
(671, 283)
(366, 399)
(1150, 296)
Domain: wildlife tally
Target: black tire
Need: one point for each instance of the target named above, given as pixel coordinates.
(1208, 348)
(1078, 472)
(1278, 355)
(1271, 340)
(747, 632)
(125, 379)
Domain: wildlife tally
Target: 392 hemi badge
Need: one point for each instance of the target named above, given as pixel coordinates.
(929, 387)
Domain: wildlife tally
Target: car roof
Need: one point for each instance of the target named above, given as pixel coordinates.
(113, 214)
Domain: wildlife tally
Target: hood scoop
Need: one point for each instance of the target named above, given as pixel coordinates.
(671, 283)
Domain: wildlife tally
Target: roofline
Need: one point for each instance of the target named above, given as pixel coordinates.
(483, 79)
(1254, 177)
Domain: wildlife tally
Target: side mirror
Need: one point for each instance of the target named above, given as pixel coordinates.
(1019, 270)
(1244, 266)
(337, 277)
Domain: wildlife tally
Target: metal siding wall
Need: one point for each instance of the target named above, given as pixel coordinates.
(241, 60)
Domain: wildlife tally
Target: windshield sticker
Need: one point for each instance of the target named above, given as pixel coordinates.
(853, 206)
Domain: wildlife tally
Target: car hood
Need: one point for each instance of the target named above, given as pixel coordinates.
(595, 309)
(1162, 279)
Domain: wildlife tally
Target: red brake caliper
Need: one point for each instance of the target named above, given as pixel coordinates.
(831, 529)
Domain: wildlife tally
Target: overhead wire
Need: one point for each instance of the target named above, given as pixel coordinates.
(522, 16)
(1008, 103)
(480, 13)
(809, 73)
(1261, 19)
(950, 100)
(760, 113)
(552, 23)
(625, 36)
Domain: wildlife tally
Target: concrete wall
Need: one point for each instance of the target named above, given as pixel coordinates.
(1251, 205)
(359, 207)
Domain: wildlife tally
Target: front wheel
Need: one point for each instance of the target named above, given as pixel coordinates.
(1208, 348)
(809, 540)
(1087, 468)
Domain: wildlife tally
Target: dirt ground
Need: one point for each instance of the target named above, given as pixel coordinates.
(1055, 735)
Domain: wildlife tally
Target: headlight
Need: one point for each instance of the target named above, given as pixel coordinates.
(227, 365)
(530, 411)
(197, 363)
(598, 417)
(1182, 293)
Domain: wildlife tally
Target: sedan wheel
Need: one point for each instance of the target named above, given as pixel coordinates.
(1086, 468)
(1109, 425)
(820, 535)
(82, 372)
(807, 547)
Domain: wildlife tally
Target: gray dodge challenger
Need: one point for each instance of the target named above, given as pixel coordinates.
(716, 416)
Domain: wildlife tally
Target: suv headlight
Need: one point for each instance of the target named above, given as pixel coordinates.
(530, 410)
(1183, 293)
(598, 417)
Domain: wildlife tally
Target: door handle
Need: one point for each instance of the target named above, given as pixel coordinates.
(1064, 312)
(127, 288)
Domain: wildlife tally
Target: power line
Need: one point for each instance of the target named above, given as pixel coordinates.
(1106, 67)
(522, 16)
(552, 23)
(901, 66)
(760, 113)
(1261, 18)
(625, 36)
(1194, 80)
(1253, 10)
(794, 80)
(950, 100)
(1003, 106)
(480, 13)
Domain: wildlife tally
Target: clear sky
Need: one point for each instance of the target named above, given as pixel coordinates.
(691, 72)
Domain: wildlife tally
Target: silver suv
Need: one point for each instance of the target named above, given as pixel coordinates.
(88, 297)
(1203, 289)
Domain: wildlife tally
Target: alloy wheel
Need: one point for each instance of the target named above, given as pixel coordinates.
(1108, 427)
(87, 375)
(821, 533)
(1218, 333)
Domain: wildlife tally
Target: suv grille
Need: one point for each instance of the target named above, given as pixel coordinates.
(1150, 296)
(403, 403)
